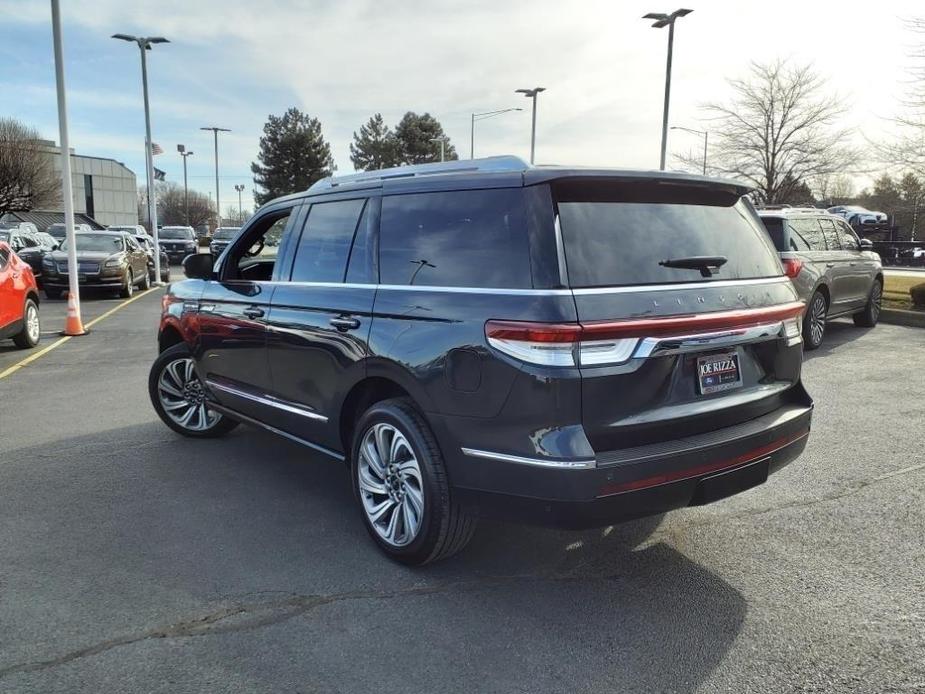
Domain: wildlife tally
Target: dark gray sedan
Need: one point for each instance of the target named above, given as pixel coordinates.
(834, 271)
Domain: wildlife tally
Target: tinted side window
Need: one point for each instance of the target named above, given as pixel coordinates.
(830, 233)
(325, 242)
(777, 232)
(361, 268)
(849, 241)
(472, 238)
(810, 232)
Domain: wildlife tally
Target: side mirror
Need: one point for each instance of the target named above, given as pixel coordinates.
(866, 244)
(198, 266)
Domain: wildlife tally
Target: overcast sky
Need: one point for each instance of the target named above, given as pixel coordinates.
(232, 63)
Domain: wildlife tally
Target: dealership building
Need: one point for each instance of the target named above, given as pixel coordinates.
(105, 191)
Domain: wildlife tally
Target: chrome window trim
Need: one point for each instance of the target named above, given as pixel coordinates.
(574, 464)
(560, 253)
(268, 400)
(636, 289)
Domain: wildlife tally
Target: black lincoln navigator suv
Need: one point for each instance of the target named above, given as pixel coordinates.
(487, 338)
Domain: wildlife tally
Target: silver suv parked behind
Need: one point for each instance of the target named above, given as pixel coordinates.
(833, 271)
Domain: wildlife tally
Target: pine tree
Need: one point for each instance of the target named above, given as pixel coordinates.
(375, 146)
(293, 155)
(414, 134)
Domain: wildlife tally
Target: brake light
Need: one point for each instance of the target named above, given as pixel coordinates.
(614, 342)
(792, 266)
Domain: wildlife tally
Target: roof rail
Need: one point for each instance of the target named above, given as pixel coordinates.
(506, 163)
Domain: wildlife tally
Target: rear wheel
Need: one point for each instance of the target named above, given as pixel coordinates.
(145, 282)
(31, 330)
(179, 399)
(401, 486)
(871, 314)
(814, 321)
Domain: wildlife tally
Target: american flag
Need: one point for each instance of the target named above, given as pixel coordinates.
(156, 148)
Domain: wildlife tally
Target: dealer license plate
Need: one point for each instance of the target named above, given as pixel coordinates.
(718, 372)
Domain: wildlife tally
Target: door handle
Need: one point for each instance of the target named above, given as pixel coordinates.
(253, 312)
(345, 324)
(830, 264)
(852, 263)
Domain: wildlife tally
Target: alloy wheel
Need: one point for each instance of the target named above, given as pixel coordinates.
(33, 328)
(876, 299)
(817, 319)
(183, 398)
(390, 484)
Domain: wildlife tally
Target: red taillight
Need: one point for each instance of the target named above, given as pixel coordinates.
(613, 342)
(792, 267)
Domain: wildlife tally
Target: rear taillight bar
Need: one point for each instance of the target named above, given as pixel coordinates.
(613, 342)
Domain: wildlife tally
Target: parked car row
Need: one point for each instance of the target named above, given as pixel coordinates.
(19, 299)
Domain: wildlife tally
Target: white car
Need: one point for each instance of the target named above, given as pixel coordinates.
(856, 215)
(134, 229)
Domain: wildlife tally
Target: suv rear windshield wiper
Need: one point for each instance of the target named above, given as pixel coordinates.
(707, 264)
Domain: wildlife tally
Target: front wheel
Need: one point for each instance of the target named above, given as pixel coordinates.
(871, 314)
(400, 483)
(179, 399)
(31, 331)
(146, 282)
(814, 321)
(128, 285)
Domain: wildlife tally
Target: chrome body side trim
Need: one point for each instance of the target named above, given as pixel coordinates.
(574, 464)
(269, 401)
(234, 414)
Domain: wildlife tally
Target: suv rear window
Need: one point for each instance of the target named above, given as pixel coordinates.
(622, 240)
(468, 238)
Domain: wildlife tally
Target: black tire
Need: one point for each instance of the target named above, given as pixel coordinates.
(814, 321)
(165, 274)
(128, 285)
(145, 282)
(28, 338)
(444, 528)
(871, 314)
(178, 353)
(52, 293)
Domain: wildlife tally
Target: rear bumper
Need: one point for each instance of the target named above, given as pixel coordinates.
(631, 483)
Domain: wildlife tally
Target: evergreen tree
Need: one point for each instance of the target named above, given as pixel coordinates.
(293, 155)
(375, 146)
(414, 134)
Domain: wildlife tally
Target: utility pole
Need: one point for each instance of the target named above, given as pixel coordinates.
(218, 208)
(531, 94)
(183, 153)
(240, 188)
(144, 44)
(72, 324)
(666, 20)
(442, 141)
(706, 137)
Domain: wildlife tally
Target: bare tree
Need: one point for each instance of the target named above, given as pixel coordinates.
(835, 189)
(27, 173)
(778, 131)
(907, 151)
(171, 206)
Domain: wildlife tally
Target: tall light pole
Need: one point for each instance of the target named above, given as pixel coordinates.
(484, 116)
(183, 153)
(144, 44)
(218, 208)
(531, 94)
(706, 137)
(442, 140)
(661, 21)
(240, 188)
(72, 324)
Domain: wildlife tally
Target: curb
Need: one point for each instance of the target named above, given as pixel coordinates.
(897, 316)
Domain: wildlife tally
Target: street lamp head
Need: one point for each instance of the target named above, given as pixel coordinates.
(218, 130)
(181, 148)
(662, 20)
(530, 93)
(157, 39)
(124, 37)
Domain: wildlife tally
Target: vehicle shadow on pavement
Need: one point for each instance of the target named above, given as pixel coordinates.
(837, 333)
(128, 540)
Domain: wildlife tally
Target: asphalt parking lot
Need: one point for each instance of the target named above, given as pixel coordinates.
(134, 560)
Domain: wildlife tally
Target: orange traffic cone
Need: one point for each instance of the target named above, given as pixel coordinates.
(73, 326)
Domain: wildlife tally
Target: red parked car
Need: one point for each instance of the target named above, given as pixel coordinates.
(19, 300)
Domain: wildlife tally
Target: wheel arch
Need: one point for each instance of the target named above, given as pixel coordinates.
(169, 336)
(363, 395)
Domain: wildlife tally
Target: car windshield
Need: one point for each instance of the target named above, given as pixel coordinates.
(634, 235)
(225, 233)
(175, 233)
(57, 231)
(102, 243)
(4, 235)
